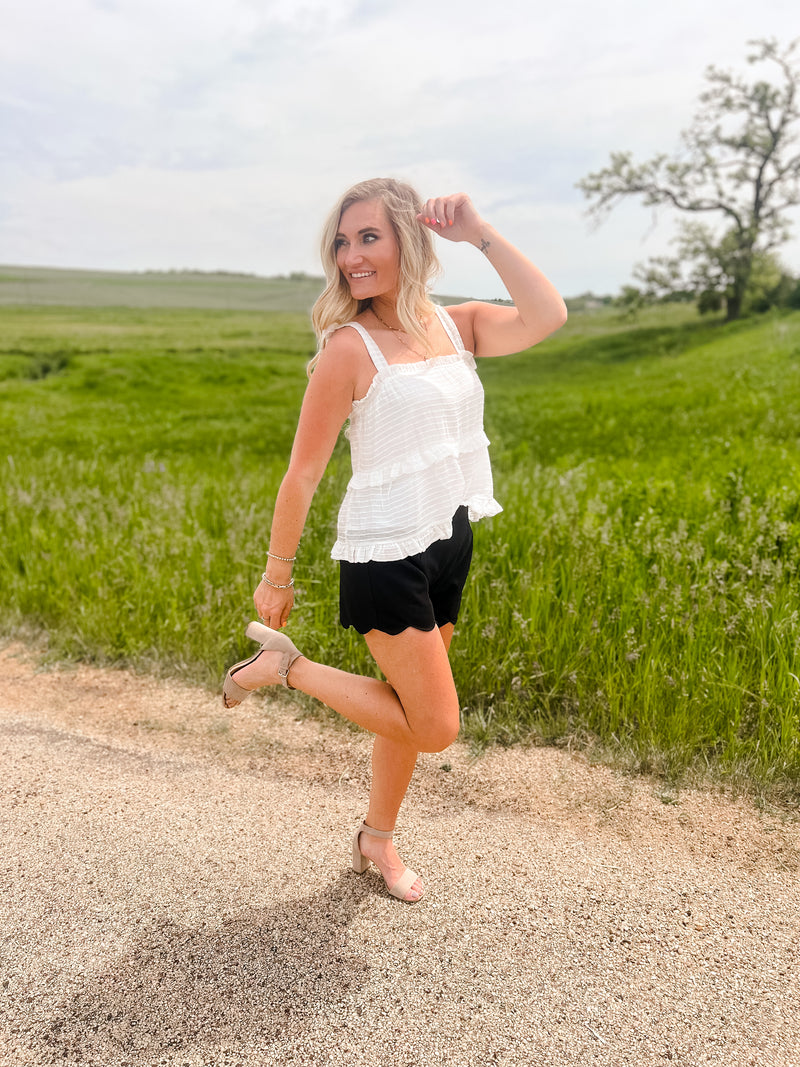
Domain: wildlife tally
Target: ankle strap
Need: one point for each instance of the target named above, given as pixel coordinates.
(373, 832)
(284, 666)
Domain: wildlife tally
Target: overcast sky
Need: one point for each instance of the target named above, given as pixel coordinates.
(216, 134)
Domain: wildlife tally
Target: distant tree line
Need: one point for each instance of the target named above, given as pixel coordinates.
(770, 286)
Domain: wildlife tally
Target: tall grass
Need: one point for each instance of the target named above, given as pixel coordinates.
(639, 593)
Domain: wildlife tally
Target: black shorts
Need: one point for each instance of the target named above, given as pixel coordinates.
(421, 591)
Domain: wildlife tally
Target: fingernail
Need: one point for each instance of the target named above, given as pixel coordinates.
(451, 222)
(427, 219)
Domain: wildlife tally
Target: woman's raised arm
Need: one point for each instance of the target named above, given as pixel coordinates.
(538, 308)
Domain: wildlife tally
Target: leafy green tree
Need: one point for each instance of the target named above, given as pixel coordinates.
(739, 161)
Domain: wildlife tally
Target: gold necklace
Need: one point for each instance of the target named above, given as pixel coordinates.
(398, 330)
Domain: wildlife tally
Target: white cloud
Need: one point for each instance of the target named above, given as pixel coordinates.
(166, 133)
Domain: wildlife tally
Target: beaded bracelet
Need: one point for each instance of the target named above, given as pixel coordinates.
(283, 559)
(275, 585)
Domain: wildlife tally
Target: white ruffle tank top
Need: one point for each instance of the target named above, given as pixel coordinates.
(418, 451)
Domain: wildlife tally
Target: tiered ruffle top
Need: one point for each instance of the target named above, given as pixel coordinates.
(418, 451)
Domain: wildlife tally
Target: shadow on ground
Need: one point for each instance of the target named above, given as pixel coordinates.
(244, 982)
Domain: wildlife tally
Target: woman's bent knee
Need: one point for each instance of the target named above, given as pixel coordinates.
(436, 737)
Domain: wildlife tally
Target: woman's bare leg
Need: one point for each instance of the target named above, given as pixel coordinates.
(415, 709)
(393, 764)
(416, 706)
(392, 767)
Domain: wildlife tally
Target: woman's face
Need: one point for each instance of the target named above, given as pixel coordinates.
(367, 252)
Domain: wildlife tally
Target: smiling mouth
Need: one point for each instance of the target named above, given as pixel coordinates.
(363, 274)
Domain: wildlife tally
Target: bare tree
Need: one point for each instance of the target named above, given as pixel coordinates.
(739, 160)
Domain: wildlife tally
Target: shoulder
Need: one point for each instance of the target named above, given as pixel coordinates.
(343, 365)
(463, 315)
(345, 347)
(492, 329)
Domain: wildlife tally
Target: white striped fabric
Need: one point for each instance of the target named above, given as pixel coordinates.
(418, 452)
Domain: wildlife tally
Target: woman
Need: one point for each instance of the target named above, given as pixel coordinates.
(402, 371)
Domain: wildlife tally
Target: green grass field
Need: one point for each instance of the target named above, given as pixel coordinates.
(637, 597)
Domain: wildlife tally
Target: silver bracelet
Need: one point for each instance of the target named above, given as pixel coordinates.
(275, 585)
(283, 559)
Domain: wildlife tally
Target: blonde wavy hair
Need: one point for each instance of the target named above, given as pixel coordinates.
(419, 265)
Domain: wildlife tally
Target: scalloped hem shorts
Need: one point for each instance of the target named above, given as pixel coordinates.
(420, 591)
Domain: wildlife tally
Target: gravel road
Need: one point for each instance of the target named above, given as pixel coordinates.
(176, 891)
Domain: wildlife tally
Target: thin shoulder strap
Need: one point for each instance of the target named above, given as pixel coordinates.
(375, 353)
(450, 327)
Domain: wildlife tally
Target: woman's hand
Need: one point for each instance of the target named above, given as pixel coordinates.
(273, 605)
(453, 217)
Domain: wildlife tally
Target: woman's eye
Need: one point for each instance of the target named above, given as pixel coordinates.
(369, 238)
(338, 243)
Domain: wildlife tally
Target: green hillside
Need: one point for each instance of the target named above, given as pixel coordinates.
(156, 289)
(637, 597)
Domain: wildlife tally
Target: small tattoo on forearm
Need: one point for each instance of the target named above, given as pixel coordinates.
(485, 245)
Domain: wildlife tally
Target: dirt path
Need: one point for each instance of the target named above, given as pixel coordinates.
(176, 891)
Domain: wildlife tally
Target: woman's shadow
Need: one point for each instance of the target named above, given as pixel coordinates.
(245, 981)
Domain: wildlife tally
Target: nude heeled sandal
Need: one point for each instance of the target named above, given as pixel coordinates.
(270, 641)
(360, 864)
